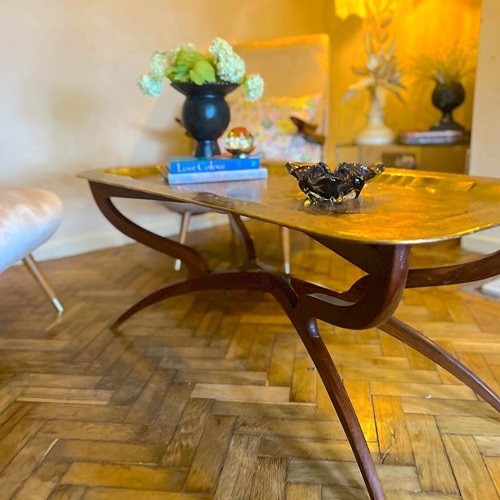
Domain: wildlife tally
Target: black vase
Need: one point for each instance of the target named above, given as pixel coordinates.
(447, 97)
(205, 113)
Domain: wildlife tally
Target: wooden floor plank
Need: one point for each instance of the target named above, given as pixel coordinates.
(433, 468)
(237, 473)
(470, 471)
(207, 461)
(298, 491)
(269, 480)
(212, 394)
(132, 476)
(392, 429)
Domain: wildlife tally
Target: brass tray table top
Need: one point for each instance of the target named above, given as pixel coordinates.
(396, 207)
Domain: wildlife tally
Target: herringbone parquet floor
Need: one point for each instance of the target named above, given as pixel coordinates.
(212, 395)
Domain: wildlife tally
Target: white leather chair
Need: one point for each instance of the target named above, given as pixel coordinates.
(28, 218)
(292, 68)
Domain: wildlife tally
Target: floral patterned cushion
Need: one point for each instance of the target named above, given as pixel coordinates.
(268, 119)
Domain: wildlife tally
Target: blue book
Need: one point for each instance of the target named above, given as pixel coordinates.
(217, 176)
(191, 164)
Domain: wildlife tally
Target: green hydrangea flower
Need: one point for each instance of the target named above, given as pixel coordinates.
(186, 64)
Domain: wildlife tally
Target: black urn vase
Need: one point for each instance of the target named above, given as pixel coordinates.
(447, 97)
(205, 113)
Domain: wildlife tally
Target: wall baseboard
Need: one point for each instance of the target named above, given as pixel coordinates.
(483, 242)
(492, 288)
(91, 242)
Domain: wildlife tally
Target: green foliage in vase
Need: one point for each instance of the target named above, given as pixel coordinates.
(381, 71)
(190, 66)
(186, 64)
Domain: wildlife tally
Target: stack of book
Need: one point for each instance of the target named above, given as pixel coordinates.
(433, 137)
(189, 169)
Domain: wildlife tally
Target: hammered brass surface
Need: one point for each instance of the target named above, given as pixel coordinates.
(397, 207)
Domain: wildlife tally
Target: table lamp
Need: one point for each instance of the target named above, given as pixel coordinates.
(380, 74)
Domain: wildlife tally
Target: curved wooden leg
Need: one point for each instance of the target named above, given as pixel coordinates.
(193, 260)
(157, 296)
(343, 406)
(431, 350)
(229, 280)
(307, 329)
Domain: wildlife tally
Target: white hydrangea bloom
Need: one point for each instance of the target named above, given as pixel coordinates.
(161, 60)
(186, 46)
(150, 85)
(253, 87)
(230, 66)
(220, 48)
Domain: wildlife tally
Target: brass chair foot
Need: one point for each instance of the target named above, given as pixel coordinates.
(58, 306)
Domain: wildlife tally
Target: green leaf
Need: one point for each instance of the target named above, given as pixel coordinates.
(182, 73)
(171, 72)
(202, 72)
(188, 57)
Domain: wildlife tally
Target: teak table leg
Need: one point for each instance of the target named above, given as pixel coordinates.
(241, 232)
(342, 404)
(430, 350)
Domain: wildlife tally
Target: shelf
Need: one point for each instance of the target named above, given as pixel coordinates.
(450, 158)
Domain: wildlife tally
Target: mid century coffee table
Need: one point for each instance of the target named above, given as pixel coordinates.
(375, 232)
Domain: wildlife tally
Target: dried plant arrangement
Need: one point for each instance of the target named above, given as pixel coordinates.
(381, 71)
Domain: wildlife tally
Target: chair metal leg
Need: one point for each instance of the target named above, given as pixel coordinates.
(285, 247)
(36, 272)
(186, 217)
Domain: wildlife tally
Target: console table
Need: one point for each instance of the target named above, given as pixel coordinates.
(375, 232)
(451, 158)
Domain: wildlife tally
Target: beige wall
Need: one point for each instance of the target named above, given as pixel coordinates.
(69, 100)
(485, 149)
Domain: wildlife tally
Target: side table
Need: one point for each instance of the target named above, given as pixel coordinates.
(375, 232)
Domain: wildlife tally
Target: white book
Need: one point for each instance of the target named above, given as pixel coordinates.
(218, 176)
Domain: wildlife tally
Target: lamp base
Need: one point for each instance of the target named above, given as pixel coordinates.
(376, 132)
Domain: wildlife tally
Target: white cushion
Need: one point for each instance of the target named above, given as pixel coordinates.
(28, 218)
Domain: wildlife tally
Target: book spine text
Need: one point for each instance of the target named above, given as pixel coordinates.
(229, 175)
(184, 167)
